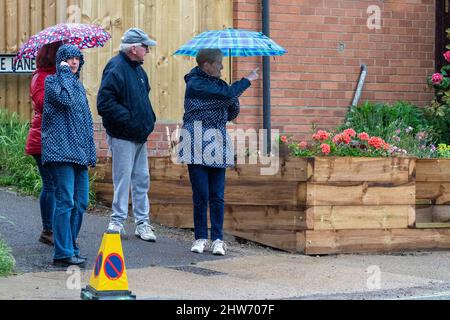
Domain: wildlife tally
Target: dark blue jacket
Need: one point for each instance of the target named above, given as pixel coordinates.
(67, 129)
(208, 104)
(123, 100)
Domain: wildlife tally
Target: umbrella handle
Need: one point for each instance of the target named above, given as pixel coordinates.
(230, 66)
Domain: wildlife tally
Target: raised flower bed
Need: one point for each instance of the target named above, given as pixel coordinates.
(433, 193)
(318, 204)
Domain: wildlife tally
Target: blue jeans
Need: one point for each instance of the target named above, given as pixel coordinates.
(72, 197)
(47, 198)
(208, 186)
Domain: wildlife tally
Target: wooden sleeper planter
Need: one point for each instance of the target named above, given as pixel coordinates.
(317, 205)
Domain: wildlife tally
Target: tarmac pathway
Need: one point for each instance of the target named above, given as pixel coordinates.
(168, 270)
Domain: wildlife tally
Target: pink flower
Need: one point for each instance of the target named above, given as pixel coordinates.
(350, 132)
(363, 136)
(342, 137)
(321, 135)
(325, 148)
(447, 56)
(377, 143)
(284, 139)
(437, 78)
(302, 145)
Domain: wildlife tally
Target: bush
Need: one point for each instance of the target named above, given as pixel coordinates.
(16, 168)
(353, 144)
(346, 143)
(402, 125)
(438, 112)
(382, 119)
(7, 261)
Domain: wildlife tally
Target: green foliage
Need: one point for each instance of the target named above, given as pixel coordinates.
(407, 128)
(7, 261)
(381, 119)
(438, 112)
(16, 168)
(443, 151)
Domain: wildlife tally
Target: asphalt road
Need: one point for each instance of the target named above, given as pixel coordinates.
(21, 227)
(168, 270)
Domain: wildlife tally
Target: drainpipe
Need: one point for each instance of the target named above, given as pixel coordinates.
(362, 78)
(266, 78)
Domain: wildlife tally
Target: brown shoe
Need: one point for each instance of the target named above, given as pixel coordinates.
(47, 237)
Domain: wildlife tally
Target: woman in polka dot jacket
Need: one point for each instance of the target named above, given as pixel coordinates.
(67, 150)
(205, 145)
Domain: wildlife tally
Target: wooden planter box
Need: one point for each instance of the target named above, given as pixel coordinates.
(317, 205)
(433, 193)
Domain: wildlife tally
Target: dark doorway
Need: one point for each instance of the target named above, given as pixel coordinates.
(442, 24)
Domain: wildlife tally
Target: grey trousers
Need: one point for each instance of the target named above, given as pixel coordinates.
(129, 167)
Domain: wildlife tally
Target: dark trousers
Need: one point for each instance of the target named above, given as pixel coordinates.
(47, 198)
(208, 187)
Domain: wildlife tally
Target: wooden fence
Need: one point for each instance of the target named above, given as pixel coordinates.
(170, 22)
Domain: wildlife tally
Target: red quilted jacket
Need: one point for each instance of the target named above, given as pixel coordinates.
(37, 86)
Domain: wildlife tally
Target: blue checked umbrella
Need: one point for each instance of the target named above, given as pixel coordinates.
(234, 43)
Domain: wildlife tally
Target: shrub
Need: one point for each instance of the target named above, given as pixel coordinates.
(345, 143)
(438, 112)
(382, 119)
(350, 143)
(16, 168)
(7, 261)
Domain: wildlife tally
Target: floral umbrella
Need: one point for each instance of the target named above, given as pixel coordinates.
(82, 35)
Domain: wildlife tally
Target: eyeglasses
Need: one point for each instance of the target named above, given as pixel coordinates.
(144, 46)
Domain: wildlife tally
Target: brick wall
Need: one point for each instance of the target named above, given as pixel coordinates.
(157, 142)
(327, 41)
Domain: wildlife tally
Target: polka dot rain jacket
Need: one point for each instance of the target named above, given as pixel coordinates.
(209, 103)
(67, 128)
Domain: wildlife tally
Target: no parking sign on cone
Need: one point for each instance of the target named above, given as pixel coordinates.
(109, 278)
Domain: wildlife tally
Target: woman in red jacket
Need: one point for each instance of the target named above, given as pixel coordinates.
(45, 62)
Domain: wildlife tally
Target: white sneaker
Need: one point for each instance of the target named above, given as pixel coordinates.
(219, 247)
(116, 227)
(145, 232)
(199, 245)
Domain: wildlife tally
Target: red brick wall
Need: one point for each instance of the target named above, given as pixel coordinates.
(157, 142)
(315, 82)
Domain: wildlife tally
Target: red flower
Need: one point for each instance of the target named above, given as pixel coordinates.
(363, 136)
(437, 78)
(377, 142)
(342, 137)
(325, 148)
(284, 139)
(447, 56)
(321, 135)
(350, 132)
(302, 145)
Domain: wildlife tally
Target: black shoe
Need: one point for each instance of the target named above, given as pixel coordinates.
(81, 257)
(72, 261)
(47, 237)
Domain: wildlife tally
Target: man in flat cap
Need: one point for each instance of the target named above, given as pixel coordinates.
(123, 103)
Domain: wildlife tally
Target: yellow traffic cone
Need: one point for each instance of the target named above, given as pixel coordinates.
(109, 278)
